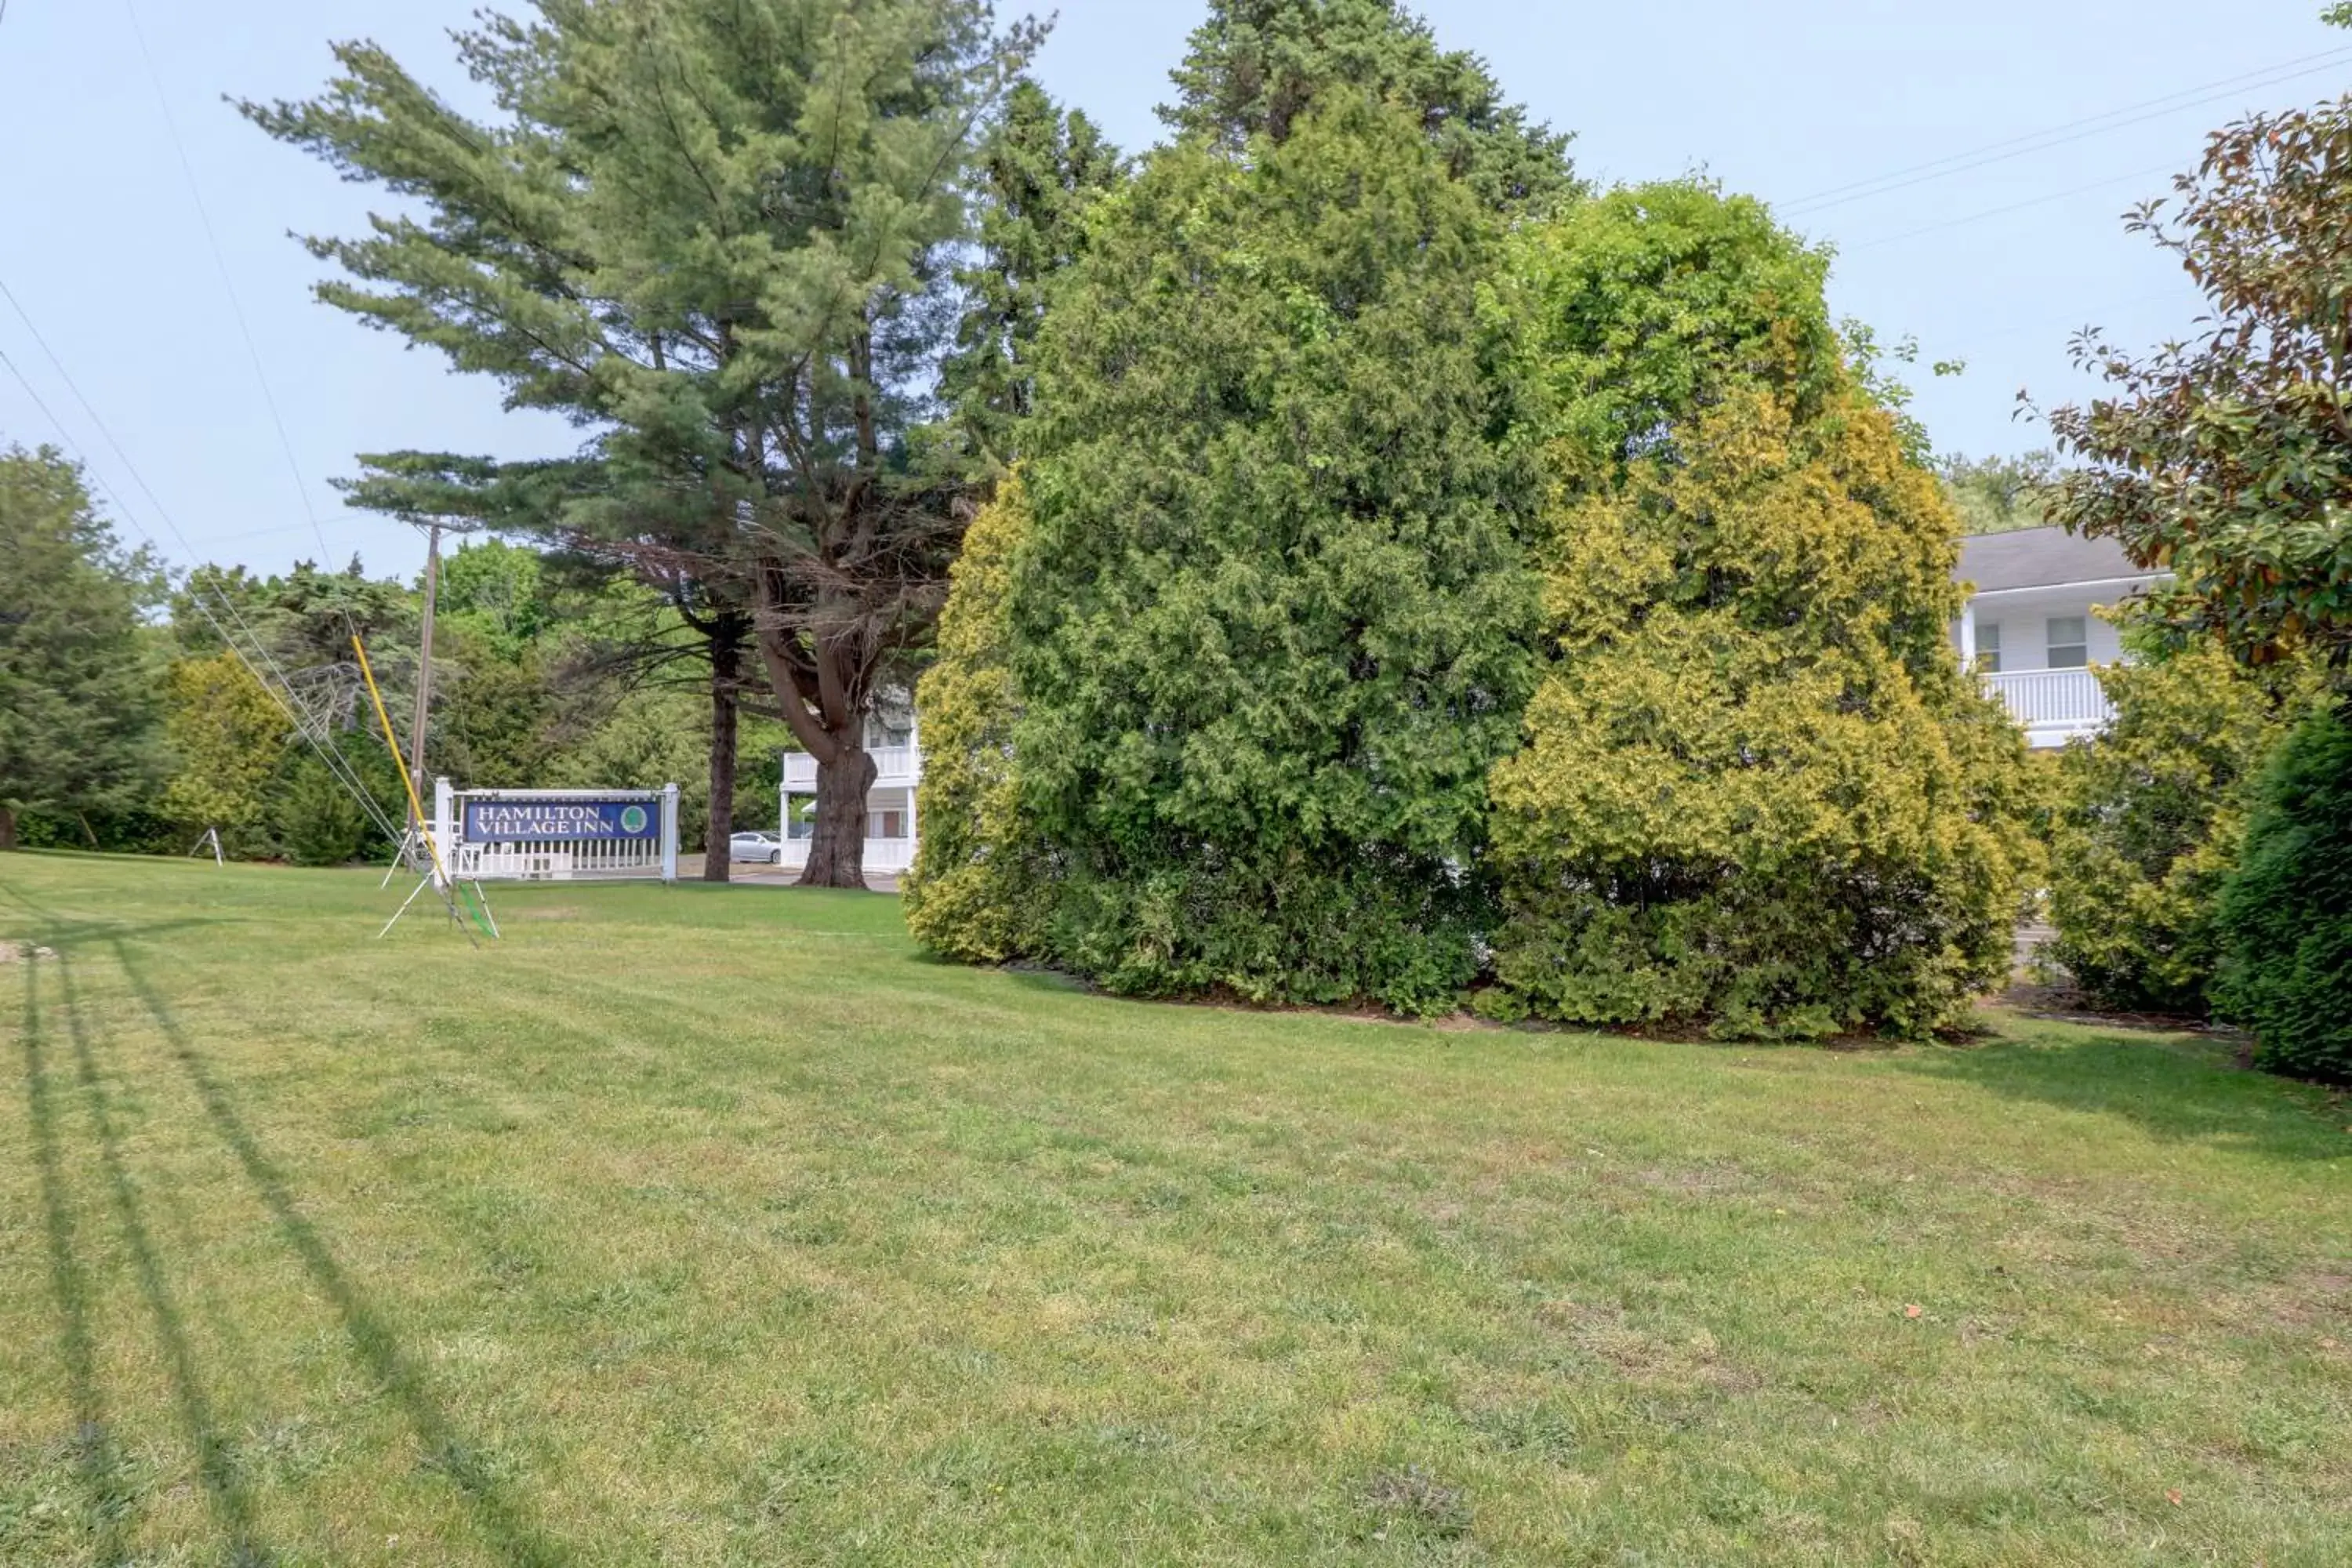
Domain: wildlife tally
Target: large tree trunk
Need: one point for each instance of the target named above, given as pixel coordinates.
(836, 857)
(726, 701)
(9, 827)
(824, 684)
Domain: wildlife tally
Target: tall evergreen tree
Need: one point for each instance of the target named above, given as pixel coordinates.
(718, 235)
(1268, 626)
(78, 703)
(1255, 66)
(1040, 171)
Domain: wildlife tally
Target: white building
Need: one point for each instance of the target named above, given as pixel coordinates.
(2029, 629)
(891, 740)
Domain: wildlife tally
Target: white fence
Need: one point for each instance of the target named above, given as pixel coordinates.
(889, 857)
(533, 853)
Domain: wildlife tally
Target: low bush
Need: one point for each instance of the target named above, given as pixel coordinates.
(2286, 912)
(2150, 815)
(979, 889)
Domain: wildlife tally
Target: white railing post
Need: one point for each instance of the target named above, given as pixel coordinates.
(669, 833)
(444, 832)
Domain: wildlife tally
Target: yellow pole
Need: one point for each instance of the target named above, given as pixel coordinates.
(415, 806)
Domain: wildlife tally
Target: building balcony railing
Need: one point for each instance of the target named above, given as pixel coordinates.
(2053, 704)
(893, 766)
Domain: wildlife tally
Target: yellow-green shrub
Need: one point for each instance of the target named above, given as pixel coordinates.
(1756, 791)
(2152, 814)
(976, 892)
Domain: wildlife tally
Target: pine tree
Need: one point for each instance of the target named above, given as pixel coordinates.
(1040, 171)
(720, 234)
(77, 686)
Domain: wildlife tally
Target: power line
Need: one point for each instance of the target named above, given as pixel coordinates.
(253, 356)
(2033, 142)
(228, 284)
(2002, 211)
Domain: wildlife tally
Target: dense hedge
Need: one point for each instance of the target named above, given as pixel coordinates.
(2150, 815)
(1389, 605)
(2286, 913)
(1270, 624)
(982, 888)
(1757, 792)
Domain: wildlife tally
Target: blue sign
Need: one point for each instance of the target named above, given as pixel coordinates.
(560, 821)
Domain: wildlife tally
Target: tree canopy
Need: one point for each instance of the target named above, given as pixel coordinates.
(1256, 67)
(78, 683)
(2226, 458)
(719, 236)
(1039, 172)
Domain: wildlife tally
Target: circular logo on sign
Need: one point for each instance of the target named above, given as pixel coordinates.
(633, 819)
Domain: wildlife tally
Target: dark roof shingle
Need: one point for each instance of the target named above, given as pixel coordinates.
(2041, 558)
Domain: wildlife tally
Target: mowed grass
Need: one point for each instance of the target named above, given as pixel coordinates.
(707, 1225)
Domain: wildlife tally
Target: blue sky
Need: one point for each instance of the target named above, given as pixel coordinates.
(1996, 264)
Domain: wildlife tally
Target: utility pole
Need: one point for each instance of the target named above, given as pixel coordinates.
(425, 664)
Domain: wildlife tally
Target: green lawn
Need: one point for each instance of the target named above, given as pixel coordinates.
(705, 1226)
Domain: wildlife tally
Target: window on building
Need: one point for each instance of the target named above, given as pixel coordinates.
(2070, 643)
(1989, 647)
(886, 825)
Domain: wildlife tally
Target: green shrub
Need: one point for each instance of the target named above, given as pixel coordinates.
(1756, 792)
(2286, 912)
(980, 890)
(318, 821)
(2150, 815)
(1272, 623)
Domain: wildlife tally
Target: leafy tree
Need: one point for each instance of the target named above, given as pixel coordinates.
(1253, 69)
(305, 618)
(497, 590)
(317, 820)
(718, 234)
(2226, 458)
(228, 736)
(1039, 172)
(1269, 625)
(2286, 915)
(2151, 814)
(982, 884)
(494, 723)
(1998, 495)
(648, 738)
(1635, 312)
(298, 628)
(1755, 790)
(78, 698)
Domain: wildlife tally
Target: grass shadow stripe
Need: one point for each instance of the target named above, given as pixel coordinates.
(217, 1466)
(503, 1518)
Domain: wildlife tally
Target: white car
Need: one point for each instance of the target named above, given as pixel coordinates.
(763, 847)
